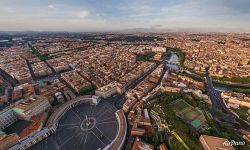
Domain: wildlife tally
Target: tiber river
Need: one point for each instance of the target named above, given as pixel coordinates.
(175, 60)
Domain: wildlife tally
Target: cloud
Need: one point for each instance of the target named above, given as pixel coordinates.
(124, 14)
(53, 7)
(82, 14)
(156, 26)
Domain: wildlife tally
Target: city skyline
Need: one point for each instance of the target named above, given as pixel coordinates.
(124, 74)
(137, 15)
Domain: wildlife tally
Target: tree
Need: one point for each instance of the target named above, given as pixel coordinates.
(1, 89)
(155, 138)
(86, 90)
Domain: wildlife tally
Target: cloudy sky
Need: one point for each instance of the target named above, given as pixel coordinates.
(113, 15)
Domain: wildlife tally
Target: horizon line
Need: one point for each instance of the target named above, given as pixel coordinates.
(121, 31)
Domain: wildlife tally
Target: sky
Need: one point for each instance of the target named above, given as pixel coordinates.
(122, 15)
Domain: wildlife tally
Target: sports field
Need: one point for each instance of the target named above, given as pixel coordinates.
(190, 115)
(186, 111)
(180, 105)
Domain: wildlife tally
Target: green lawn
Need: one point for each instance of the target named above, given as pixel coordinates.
(87, 90)
(181, 128)
(242, 112)
(181, 141)
(187, 135)
(241, 80)
(145, 57)
(38, 54)
(81, 48)
(176, 145)
(245, 91)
